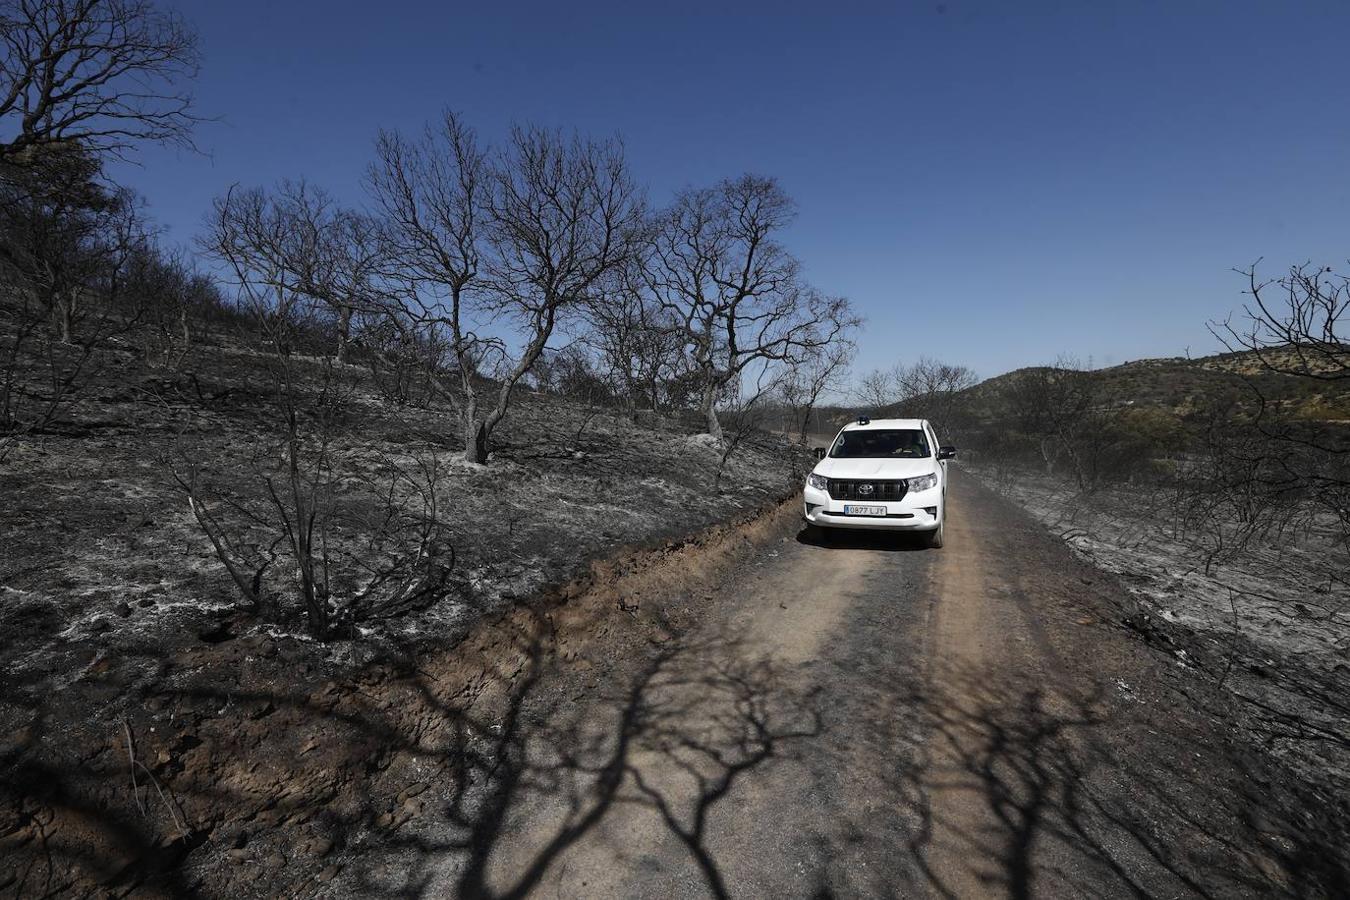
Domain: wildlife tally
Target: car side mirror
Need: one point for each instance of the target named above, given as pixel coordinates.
(818, 453)
(946, 453)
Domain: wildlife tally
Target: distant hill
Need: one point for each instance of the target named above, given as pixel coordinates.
(1177, 386)
(1183, 386)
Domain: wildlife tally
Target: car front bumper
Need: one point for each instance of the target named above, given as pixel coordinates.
(919, 511)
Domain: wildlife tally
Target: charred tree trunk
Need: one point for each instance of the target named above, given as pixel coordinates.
(184, 328)
(474, 432)
(64, 314)
(711, 425)
(476, 448)
(344, 333)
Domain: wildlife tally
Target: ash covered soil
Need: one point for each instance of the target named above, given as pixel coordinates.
(1268, 621)
(148, 717)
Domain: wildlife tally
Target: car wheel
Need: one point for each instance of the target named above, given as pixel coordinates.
(817, 535)
(935, 537)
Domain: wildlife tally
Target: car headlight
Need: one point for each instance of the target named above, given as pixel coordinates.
(819, 482)
(923, 482)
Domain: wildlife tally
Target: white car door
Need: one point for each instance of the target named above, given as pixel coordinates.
(933, 442)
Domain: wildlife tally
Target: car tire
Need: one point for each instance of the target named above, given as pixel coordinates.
(935, 538)
(817, 535)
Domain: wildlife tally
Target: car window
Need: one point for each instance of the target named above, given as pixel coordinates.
(888, 443)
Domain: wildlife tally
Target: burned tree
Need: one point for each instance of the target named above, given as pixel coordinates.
(717, 266)
(432, 194)
(927, 389)
(563, 214)
(640, 345)
(521, 239)
(67, 246)
(62, 228)
(272, 257)
(79, 80)
(336, 255)
(1053, 406)
(1294, 323)
(294, 248)
(1294, 326)
(878, 388)
(288, 269)
(934, 390)
(805, 379)
(171, 297)
(261, 241)
(102, 75)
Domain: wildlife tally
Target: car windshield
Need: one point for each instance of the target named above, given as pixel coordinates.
(890, 443)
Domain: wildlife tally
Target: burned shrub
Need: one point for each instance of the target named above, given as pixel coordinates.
(317, 525)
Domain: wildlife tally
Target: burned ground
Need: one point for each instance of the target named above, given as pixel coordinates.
(1265, 621)
(163, 738)
(147, 710)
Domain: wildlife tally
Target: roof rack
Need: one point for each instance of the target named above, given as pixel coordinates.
(864, 420)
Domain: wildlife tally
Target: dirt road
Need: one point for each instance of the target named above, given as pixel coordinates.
(867, 718)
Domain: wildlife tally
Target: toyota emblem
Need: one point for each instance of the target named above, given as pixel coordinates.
(865, 489)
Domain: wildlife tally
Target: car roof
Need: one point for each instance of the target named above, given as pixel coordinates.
(878, 424)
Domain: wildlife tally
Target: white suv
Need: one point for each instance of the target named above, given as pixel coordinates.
(881, 473)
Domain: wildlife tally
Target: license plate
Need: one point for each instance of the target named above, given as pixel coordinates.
(853, 509)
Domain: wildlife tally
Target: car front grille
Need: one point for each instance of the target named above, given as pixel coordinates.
(841, 489)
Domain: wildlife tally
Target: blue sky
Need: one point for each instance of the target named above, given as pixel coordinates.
(991, 183)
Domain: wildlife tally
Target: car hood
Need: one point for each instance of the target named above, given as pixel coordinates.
(874, 468)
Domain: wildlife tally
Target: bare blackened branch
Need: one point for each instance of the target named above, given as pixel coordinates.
(717, 266)
(103, 74)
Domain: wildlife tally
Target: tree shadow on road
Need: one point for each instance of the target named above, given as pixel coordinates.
(696, 720)
(432, 778)
(485, 773)
(1024, 790)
